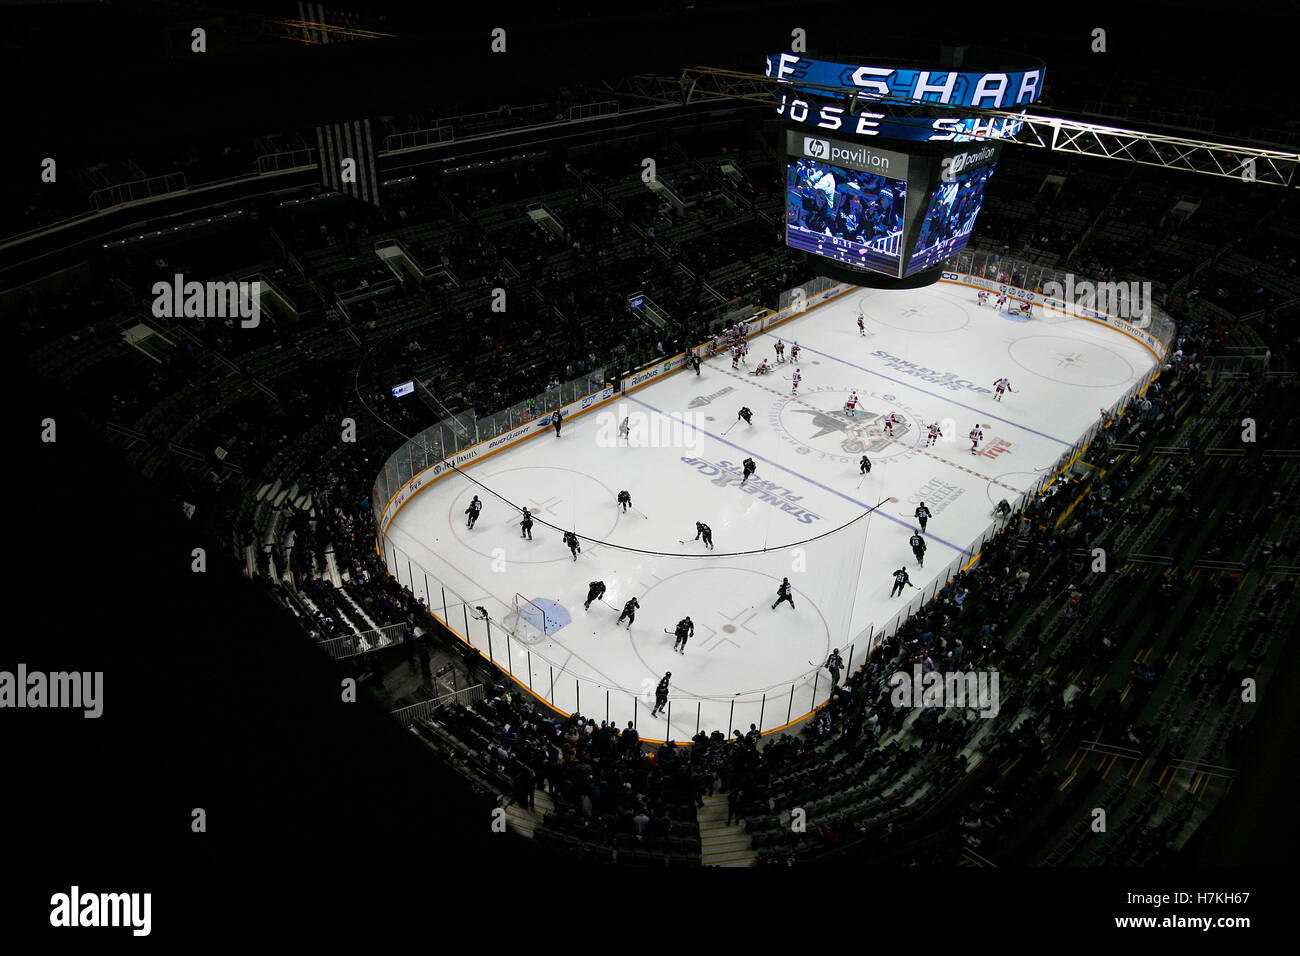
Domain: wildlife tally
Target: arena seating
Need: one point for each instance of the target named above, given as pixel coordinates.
(1138, 660)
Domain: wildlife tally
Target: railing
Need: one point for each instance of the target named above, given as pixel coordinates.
(588, 110)
(138, 190)
(373, 640)
(426, 708)
(449, 438)
(769, 708)
(282, 162)
(418, 139)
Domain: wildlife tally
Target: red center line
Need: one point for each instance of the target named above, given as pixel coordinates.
(952, 464)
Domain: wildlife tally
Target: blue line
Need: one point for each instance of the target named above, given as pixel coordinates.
(816, 484)
(983, 413)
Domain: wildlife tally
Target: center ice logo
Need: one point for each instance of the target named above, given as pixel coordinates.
(818, 424)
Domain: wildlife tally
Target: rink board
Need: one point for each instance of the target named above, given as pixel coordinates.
(930, 356)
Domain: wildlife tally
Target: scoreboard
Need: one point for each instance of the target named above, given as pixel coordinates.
(890, 195)
(883, 211)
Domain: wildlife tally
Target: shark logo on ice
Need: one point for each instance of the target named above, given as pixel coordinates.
(832, 434)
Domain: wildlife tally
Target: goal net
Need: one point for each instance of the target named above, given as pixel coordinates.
(526, 621)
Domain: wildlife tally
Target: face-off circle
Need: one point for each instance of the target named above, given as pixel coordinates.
(736, 624)
(816, 423)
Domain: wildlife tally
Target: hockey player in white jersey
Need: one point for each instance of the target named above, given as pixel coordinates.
(934, 435)
(976, 436)
(796, 379)
(1001, 385)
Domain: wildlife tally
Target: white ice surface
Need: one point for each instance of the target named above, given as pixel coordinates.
(746, 659)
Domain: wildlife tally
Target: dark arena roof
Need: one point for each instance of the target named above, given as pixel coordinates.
(293, 683)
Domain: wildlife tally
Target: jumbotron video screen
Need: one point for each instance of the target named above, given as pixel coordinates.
(850, 216)
(950, 218)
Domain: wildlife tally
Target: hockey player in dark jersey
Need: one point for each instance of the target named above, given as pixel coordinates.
(475, 507)
(595, 591)
(835, 664)
(784, 593)
(629, 612)
(746, 415)
(685, 629)
(864, 466)
(918, 547)
(750, 468)
(625, 500)
(661, 694)
(922, 514)
(526, 525)
(901, 580)
(571, 540)
(704, 531)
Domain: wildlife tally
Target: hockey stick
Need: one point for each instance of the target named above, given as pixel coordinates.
(731, 426)
(641, 513)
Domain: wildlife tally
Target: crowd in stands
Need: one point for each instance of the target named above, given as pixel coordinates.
(891, 779)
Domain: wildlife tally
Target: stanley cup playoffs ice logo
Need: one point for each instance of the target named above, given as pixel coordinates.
(818, 424)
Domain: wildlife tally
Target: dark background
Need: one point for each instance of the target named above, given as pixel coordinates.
(325, 816)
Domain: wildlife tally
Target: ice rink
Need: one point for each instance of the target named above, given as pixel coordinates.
(928, 355)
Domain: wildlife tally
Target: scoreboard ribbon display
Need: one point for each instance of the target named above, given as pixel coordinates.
(937, 88)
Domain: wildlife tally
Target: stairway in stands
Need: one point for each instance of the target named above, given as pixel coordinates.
(722, 844)
(524, 822)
